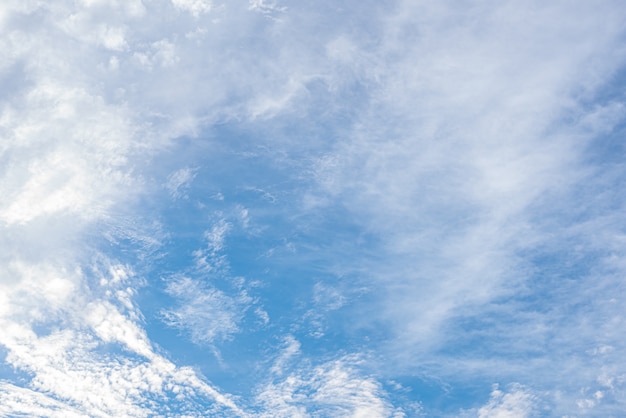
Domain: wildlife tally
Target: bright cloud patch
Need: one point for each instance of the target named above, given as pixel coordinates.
(516, 403)
(207, 313)
(334, 388)
(270, 208)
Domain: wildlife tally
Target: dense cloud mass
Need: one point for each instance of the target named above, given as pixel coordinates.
(291, 209)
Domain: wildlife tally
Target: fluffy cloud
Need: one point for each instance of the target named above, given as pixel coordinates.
(70, 345)
(17, 400)
(71, 154)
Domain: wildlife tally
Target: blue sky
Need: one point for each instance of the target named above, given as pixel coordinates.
(312, 209)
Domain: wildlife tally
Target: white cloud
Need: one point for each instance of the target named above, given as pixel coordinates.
(161, 53)
(195, 7)
(69, 347)
(516, 403)
(290, 350)
(266, 7)
(179, 182)
(207, 313)
(110, 325)
(212, 259)
(326, 299)
(461, 137)
(97, 100)
(103, 387)
(335, 388)
(71, 157)
(470, 123)
(133, 8)
(16, 401)
(59, 165)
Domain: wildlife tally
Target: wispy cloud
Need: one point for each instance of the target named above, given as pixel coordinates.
(70, 344)
(210, 303)
(195, 7)
(457, 163)
(514, 403)
(334, 388)
(179, 181)
(16, 400)
(207, 313)
(477, 144)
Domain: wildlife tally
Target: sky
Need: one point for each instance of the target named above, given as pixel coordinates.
(277, 208)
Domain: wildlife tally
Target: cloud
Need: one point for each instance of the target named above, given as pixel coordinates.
(195, 7)
(17, 400)
(458, 159)
(212, 257)
(209, 302)
(265, 7)
(90, 355)
(53, 166)
(516, 403)
(470, 164)
(207, 313)
(76, 140)
(178, 182)
(335, 388)
(326, 299)
(460, 145)
(290, 350)
(78, 130)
